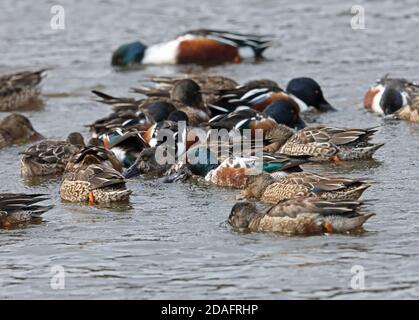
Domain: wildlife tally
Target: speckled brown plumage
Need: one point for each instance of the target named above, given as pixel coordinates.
(20, 90)
(303, 184)
(185, 96)
(209, 84)
(409, 112)
(326, 142)
(94, 183)
(50, 157)
(88, 155)
(302, 216)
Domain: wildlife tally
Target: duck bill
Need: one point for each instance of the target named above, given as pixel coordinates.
(325, 107)
(300, 124)
(132, 172)
(36, 136)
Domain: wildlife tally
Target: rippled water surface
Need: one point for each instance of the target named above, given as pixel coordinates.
(172, 241)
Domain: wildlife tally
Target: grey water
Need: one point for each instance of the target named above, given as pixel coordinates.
(172, 240)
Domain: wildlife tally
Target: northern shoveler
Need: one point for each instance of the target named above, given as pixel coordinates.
(285, 112)
(121, 119)
(233, 172)
(207, 47)
(19, 208)
(223, 165)
(323, 142)
(243, 119)
(17, 129)
(50, 157)
(147, 163)
(302, 92)
(157, 162)
(266, 188)
(125, 144)
(302, 216)
(393, 96)
(21, 90)
(308, 93)
(256, 94)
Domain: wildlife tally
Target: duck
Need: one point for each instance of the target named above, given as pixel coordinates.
(148, 163)
(21, 208)
(303, 92)
(308, 93)
(394, 97)
(90, 178)
(302, 216)
(159, 132)
(140, 114)
(169, 162)
(21, 90)
(50, 157)
(267, 189)
(94, 153)
(255, 94)
(233, 172)
(323, 142)
(285, 112)
(209, 84)
(185, 96)
(125, 144)
(224, 166)
(188, 93)
(186, 144)
(244, 119)
(121, 119)
(201, 46)
(17, 129)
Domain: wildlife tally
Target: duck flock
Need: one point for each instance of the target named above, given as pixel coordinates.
(207, 129)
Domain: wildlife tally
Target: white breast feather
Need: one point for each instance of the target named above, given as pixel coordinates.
(163, 53)
(376, 101)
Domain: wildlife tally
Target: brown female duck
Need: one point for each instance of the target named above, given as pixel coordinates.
(266, 188)
(17, 129)
(19, 208)
(303, 216)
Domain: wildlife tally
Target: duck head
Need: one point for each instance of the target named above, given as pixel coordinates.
(160, 110)
(128, 54)
(391, 100)
(275, 138)
(95, 142)
(285, 112)
(188, 92)
(309, 91)
(177, 116)
(20, 129)
(201, 161)
(242, 214)
(75, 138)
(146, 163)
(256, 185)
